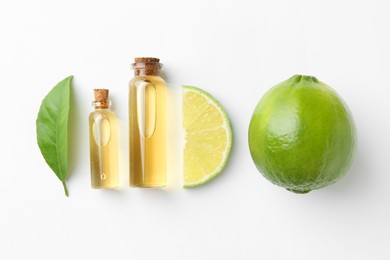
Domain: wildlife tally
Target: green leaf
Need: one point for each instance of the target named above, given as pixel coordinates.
(52, 129)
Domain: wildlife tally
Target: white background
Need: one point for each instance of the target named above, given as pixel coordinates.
(236, 50)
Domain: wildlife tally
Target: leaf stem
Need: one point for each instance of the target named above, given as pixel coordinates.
(65, 189)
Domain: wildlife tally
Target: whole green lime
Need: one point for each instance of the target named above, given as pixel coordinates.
(301, 135)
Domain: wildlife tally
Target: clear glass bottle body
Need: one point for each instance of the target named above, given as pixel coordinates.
(103, 148)
(147, 130)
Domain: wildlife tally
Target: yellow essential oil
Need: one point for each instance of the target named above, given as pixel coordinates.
(103, 143)
(147, 125)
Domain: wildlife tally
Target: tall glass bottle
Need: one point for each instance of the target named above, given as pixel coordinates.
(103, 142)
(147, 124)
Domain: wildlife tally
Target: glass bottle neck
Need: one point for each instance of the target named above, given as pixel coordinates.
(147, 68)
(101, 104)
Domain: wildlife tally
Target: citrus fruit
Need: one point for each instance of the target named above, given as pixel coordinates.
(208, 137)
(301, 135)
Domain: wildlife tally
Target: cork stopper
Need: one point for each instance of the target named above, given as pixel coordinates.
(101, 98)
(146, 66)
(146, 59)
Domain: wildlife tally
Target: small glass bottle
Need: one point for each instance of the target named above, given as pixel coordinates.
(147, 124)
(103, 142)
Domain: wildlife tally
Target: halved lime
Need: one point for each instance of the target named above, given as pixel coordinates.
(208, 137)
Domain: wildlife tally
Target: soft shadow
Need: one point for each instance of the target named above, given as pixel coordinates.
(74, 131)
(156, 192)
(123, 158)
(357, 180)
(165, 75)
(119, 193)
(357, 184)
(175, 137)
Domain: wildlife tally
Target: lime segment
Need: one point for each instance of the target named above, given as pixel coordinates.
(208, 137)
